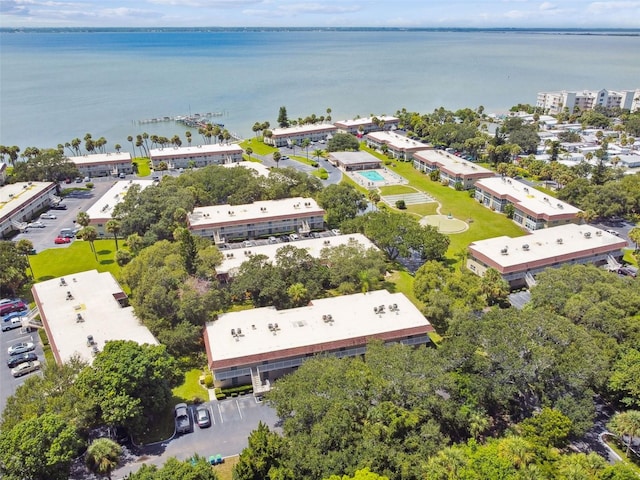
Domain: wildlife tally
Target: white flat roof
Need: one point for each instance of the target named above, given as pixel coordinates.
(98, 158)
(355, 158)
(195, 150)
(103, 207)
(356, 122)
(301, 129)
(397, 141)
(16, 195)
(527, 197)
(353, 318)
(452, 163)
(259, 168)
(103, 317)
(543, 245)
(314, 246)
(284, 207)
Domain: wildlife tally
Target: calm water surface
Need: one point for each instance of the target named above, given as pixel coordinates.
(57, 86)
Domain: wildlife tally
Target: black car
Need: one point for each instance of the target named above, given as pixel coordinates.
(22, 358)
(58, 206)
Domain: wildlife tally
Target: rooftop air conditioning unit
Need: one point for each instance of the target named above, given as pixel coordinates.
(587, 234)
(599, 233)
(525, 247)
(504, 251)
(559, 241)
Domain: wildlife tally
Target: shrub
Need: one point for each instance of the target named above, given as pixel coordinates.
(458, 186)
(401, 204)
(387, 161)
(434, 175)
(233, 391)
(208, 380)
(89, 185)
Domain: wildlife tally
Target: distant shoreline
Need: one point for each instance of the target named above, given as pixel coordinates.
(548, 31)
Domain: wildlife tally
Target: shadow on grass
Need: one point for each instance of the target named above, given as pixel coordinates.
(104, 252)
(106, 262)
(45, 277)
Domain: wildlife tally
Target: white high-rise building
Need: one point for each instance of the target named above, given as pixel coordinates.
(556, 102)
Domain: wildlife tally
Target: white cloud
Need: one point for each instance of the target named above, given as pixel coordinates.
(601, 7)
(547, 6)
(206, 3)
(319, 8)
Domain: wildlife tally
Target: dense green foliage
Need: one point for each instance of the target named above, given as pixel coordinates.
(341, 202)
(196, 469)
(13, 268)
(343, 142)
(48, 165)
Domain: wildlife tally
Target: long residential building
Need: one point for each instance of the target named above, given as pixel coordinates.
(257, 346)
(232, 259)
(533, 209)
(226, 223)
(556, 102)
(362, 126)
(103, 164)
(195, 156)
(22, 202)
(453, 170)
(283, 137)
(83, 311)
(102, 210)
(520, 259)
(399, 146)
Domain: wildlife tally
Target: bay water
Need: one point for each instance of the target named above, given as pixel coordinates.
(58, 85)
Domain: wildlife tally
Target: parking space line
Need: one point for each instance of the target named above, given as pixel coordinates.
(220, 412)
(239, 410)
(213, 417)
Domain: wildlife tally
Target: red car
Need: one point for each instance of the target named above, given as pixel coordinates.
(60, 240)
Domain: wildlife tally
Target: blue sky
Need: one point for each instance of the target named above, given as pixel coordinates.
(321, 13)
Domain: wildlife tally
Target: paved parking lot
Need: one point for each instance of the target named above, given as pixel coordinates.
(233, 420)
(8, 384)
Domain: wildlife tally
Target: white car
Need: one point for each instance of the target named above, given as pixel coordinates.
(613, 232)
(335, 231)
(36, 225)
(48, 216)
(25, 368)
(21, 347)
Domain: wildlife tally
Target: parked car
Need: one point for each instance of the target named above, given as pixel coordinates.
(58, 206)
(11, 315)
(183, 424)
(613, 232)
(15, 306)
(36, 225)
(11, 323)
(202, 417)
(273, 240)
(21, 347)
(22, 358)
(25, 368)
(248, 243)
(61, 240)
(87, 179)
(48, 216)
(294, 237)
(335, 231)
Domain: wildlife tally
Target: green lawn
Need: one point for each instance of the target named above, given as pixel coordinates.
(629, 257)
(258, 146)
(299, 158)
(396, 190)
(225, 471)
(423, 209)
(78, 257)
(191, 388)
(144, 170)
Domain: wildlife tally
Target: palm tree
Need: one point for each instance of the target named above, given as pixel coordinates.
(83, 219)
(90, 234)
(317, 153)
(276, 157)
(294, 144)
(516, 450)
(298, 294)
(25, 247)
(113, 226)
(374, 198)
(626, 424)
(133, 145)
(188, 135)
(117, 147)
(103, 456)
(249, 152)
(305, 144)
(634, 236)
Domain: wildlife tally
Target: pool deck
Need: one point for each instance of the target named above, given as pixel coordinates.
(388, 178)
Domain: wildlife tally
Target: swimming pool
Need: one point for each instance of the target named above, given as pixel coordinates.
(372, 175)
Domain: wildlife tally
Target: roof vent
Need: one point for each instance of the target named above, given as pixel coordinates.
(525, 247)
(560, 206)
(504, 251)
(587, 234)
(599, 233)
(559, 241)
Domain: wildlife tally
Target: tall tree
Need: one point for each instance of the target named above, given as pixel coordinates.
(90, 234)
(102, 456)
(83, 219)
(276, 157)
(13, 267)
(626, 424)
(341, 202)
(113, 226)
(283, 119)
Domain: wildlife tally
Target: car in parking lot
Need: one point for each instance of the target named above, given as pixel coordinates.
(273, 240)
(25, 368)
(11, 323)
(294, 237)
(613, 232)
(15, 305)
(248, 243)
(36, 225)
(22, 358)
(335, 231)
(202, 417)
(181, 412)
(21, 347)
(58, 206)
(61, 240)
(48, 216)
(629, 271)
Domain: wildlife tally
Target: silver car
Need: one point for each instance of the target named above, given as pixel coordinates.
(36, 225)
(48, 216)
(21, 347)
(25, 368)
